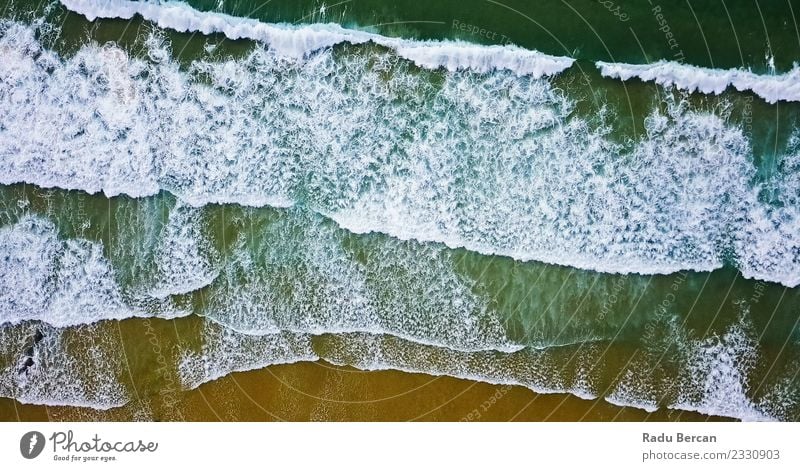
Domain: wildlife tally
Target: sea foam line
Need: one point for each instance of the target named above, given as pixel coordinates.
(772, 88)
(299, 41)
(92, 108)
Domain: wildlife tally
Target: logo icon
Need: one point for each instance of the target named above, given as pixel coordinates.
(31, 445)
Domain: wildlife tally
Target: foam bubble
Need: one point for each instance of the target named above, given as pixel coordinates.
(295, 275)
(713, 381)
(81, 367)
(707, 374)
(772, 88)
(225, 351)
(300, 41)
(541, 370)
(647, 380)
(184, 256)
(61, 282)
(626, 395)
(715, 378)
(771, 245)
(495, 163)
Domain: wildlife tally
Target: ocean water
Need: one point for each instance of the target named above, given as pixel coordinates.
(197, 199)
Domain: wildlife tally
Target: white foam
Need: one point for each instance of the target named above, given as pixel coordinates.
(494, 163)
(781, 395)
(225, 351)
(772, 88)
(61, 282)
(294, 276)
(620, 399)
(184, 256)
(636, 387)
(541, 371)
(78, 367)
(716, 380)
(772, 243)
(708, 374)
(300, 41)
(712, 383)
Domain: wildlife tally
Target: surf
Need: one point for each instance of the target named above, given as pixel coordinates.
(300, 41)
(771, 88)
(481, 161)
